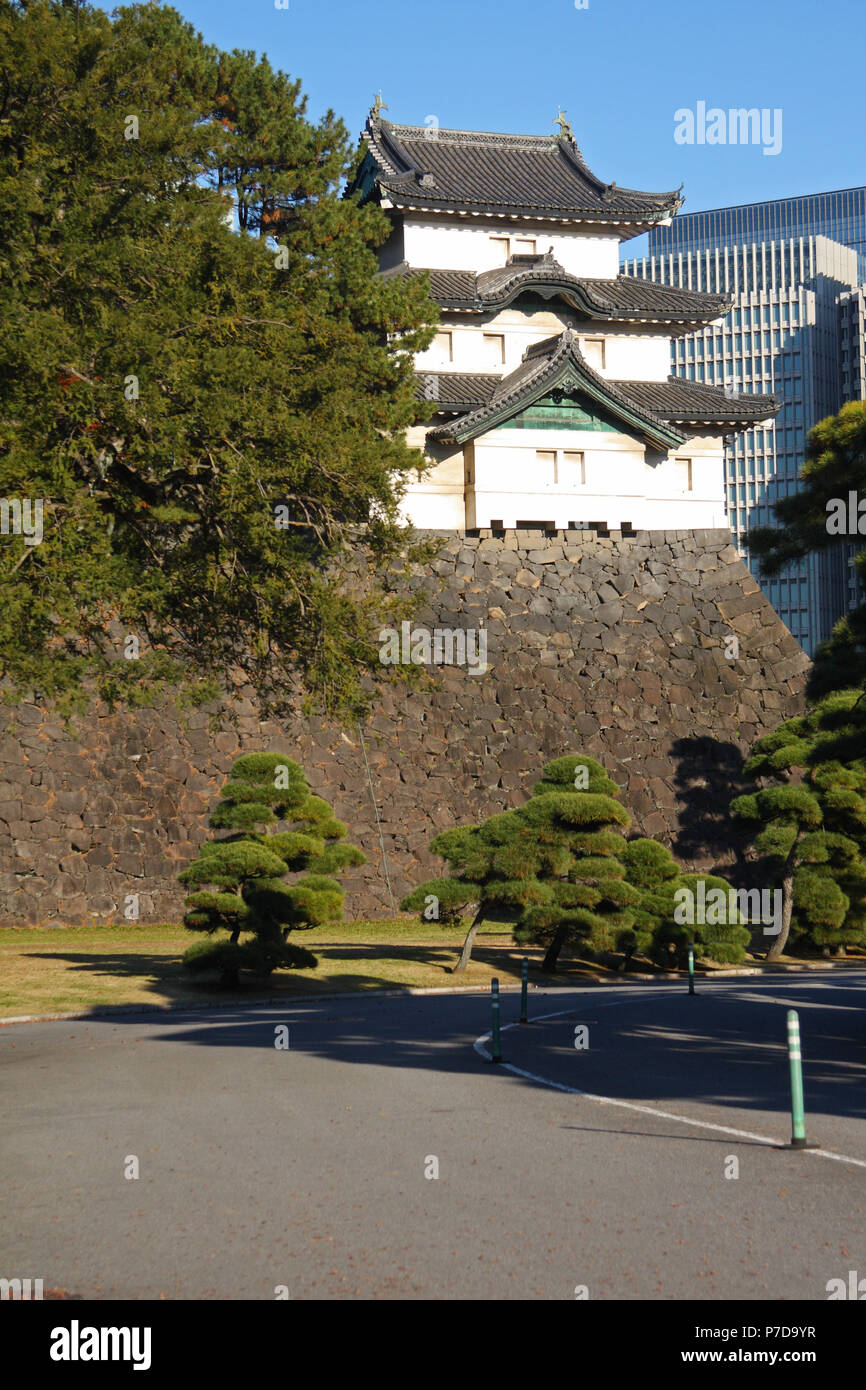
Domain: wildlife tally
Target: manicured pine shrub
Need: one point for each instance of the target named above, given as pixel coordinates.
(240, 879)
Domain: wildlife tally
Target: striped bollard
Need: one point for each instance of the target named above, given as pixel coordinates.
(497, 1042)
(691, 967)
(795, 1058)
(524, 982)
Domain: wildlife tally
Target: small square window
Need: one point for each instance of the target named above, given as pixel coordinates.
(443, 343)
(545, 460)
(494, 347)
(593, 351)
(502, 244)
(574, 465)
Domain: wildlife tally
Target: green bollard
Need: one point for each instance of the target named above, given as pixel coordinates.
(691, 967)
(798, 1118)
(524, 983)
(497, 1043)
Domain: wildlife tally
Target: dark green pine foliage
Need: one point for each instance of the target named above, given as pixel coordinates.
(662, 935)
(240, 879)
(578, 822)
(214, 416)
(553, 866)
(827, 749)
(722, 936)
(652, 869)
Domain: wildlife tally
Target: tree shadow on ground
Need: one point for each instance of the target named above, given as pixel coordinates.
(168, 981)
(725, 1048)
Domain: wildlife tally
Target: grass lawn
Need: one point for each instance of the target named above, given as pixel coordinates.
(78, 968)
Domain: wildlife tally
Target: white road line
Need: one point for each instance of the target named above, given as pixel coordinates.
(644, 1109)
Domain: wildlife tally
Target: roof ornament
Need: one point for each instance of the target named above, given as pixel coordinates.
(565, 130)
(378, 104)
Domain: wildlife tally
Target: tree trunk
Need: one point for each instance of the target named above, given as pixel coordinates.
(466, 953)
(549, 963)
(230, 977)
(778, 945)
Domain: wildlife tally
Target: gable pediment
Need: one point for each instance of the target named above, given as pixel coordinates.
(567, 408)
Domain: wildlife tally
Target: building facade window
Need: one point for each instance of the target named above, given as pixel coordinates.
(494, 348)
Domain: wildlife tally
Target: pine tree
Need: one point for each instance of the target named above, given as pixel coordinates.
(826, 748)
(650, 867)
(815, 518)
(664, 929)
(214, 416)
(552, 865)
(785, 822)
(240, 878)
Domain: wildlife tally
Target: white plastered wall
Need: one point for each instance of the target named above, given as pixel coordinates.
(461, 244)
(510, 484)
(628, 356)
(437, 501)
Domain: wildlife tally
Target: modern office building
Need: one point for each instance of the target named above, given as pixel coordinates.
(797, 309)
(852, 343)
(839, 216)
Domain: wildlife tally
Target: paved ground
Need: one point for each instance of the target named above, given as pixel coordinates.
(306, 1167)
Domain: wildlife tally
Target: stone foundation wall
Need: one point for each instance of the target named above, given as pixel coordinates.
(612, 645)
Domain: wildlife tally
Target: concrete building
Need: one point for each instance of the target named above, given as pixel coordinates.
(839, 215)
(550, 373)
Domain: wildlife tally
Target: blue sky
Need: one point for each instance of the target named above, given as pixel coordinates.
(620, 68)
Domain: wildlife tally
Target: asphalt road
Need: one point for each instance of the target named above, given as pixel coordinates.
(305, 1167)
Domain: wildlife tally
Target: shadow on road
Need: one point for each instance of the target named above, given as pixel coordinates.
(726, 1046)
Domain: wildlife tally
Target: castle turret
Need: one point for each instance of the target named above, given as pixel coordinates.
(550, 372)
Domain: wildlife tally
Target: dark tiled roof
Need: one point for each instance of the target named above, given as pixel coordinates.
(692, 402)
(451, 289)
(546, 365)
(456, 391)
(530, 176)
(624, 298)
